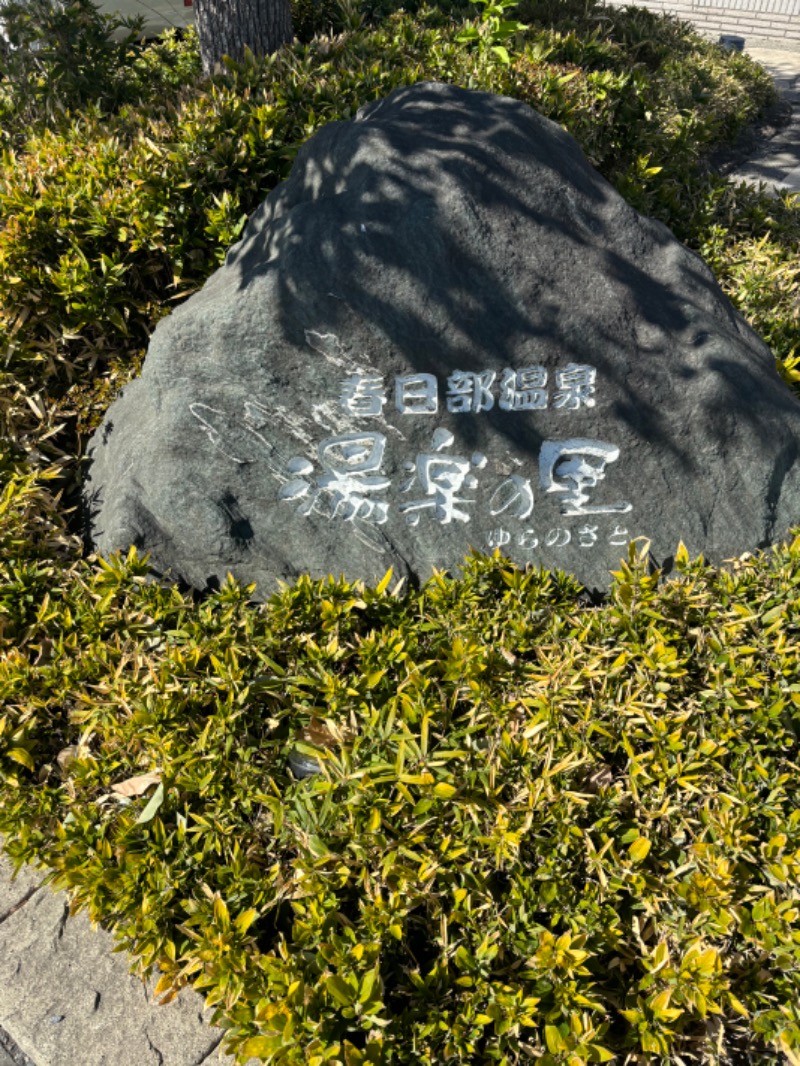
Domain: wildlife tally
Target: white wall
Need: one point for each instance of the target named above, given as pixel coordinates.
(158, 14)
(774, 21)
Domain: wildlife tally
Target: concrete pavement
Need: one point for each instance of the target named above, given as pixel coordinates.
(65, 998)
(777, 162)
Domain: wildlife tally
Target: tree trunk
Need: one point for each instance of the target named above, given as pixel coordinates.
(227, 27)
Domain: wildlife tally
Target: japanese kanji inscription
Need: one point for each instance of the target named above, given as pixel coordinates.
(347, 482)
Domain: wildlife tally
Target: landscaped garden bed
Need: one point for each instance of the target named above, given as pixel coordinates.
(546, 826)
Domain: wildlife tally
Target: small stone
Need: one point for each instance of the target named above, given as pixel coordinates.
(599, 778)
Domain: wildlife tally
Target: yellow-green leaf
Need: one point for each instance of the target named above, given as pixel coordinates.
(639, 849)
(383, 584)
(738, 1006)
(554, 1040)
(261, 1046)
(21, 756)
(246, 919)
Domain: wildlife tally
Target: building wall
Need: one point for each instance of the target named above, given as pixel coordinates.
(158, 14)
(773, 21)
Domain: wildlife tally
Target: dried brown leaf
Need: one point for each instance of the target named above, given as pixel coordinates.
(67, 756)
(136, 786)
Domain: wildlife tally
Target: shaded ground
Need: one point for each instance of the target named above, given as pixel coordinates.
(755, 141)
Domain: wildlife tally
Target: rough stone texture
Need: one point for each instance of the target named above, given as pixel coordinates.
(65, 999)
(16, 889)
(10, 1054)
(608, 388)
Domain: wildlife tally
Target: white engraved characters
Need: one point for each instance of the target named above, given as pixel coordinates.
(572, 467)
(497, 538)
(513, 497)
(470, 392)
(351, 475)
(619, 537)
(363, 395)
(528, 539)
(523, 390)
(575, 386)
(441, 478)
(416, 394)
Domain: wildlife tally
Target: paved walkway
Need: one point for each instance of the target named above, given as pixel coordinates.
(65, 998)
(778, 161)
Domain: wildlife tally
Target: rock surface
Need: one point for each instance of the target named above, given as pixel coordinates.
(446, 331)
(67, 998)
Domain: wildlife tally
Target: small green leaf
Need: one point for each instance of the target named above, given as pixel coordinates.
(150, 810)
(367, 985)
(340, 989)
(383, 584)
(221, 914)
(246, 919)
(261, 1047)
(600, 1054)
(738, 1006)
(554, 1040)
(21, 756)
(352, 1055)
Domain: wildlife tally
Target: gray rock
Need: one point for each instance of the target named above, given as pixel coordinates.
(67, 1000)
(10, 1054)
(446, 331)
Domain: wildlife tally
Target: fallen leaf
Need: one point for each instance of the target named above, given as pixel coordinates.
(66, 756)
(135, 786)
(600, 777)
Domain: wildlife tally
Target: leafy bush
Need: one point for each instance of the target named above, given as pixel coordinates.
(544, 829)
(58, 56)
(63, 57)
(541, 830)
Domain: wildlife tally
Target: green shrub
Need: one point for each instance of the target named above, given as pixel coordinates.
(58, 56)
(541, 830)
(63, 59)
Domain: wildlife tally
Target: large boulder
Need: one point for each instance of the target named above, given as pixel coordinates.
(446, 331)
